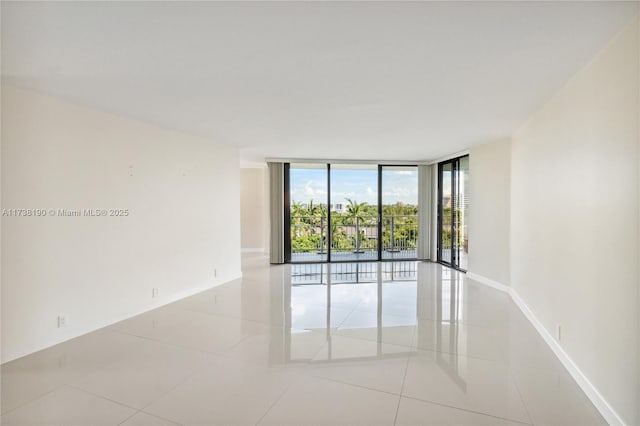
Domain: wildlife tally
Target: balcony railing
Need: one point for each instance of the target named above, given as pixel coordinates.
(357, 235)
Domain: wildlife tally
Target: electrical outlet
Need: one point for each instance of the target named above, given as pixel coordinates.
(63, 320)
(558, 332)
(62, 361)
(154, 292)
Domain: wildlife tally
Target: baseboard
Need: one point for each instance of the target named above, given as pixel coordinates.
(102, 324)
(488, 282)
(253, 250)
(587, 387)
(581, 379)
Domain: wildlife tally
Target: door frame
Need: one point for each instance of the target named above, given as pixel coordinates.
(455, 174)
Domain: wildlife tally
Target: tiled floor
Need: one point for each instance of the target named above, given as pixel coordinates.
(423, 347)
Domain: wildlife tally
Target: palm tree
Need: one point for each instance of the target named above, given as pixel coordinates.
(318, 214)
(297, 213)
(356, 211)
(396, 214)
(319, 211)
(297, 209)
(311, 207)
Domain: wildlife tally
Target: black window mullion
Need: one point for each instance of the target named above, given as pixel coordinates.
(454, 199)
(440, 212)
(287, 214)
(329, 227)
(453, 208)
(379, 212)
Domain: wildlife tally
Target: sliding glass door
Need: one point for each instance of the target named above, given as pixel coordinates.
(453, 211)
(350, 212)
(445, 212)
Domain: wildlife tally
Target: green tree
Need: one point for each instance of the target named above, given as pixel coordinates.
(297, 209)
(355, 209)
(357, 212)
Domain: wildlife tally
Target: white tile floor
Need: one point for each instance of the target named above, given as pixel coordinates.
(425, 347)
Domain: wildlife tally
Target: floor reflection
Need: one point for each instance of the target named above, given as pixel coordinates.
(356, 272)
(373, 309)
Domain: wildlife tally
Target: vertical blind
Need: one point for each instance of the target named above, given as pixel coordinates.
(276, 212)
(425, 183)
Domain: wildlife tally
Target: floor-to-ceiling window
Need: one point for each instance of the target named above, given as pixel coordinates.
(354, 212)
(308, 215)
(399, 200)
(347, 212)
(453, 211)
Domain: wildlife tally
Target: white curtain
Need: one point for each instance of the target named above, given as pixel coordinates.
(425, 187)
(276, 212)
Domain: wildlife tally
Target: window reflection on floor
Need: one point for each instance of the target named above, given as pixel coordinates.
(370, 310)
(357, 272)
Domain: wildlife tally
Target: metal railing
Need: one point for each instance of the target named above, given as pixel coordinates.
(402, 230)
(310, 234)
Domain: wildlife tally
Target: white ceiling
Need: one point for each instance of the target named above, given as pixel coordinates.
(377, 80)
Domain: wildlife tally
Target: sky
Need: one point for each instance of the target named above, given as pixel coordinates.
(360, 185)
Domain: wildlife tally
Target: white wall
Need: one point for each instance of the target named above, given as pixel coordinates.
(182, 193)
(489, 192)
(253, 208)
(574, 234)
